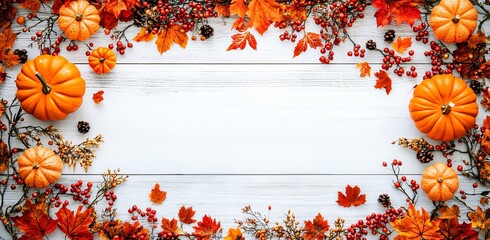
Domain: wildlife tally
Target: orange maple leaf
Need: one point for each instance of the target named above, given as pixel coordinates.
(240, 41)
(364, 68)
(416, 225)
(486, 122)
(452, 229)
(98, 97)
(156, 195)
(135, 230)
(449, 212)
(310, 39)
(383, 81)
(34, 222)
(477, 38)
(402, 44)
(239, 8)
(240, 25)
(295, 12)
(234, 234)
(167, 37)
(206, 228)
(144, 35)
(75, 225)
(316, 230)
(186, 214)
(170, 225)
(222, 10)
(262, 13)
(10, 59)
(3, 75)
(7, 37)
(402, 11)
(32, 5)
(4, 150)
(352, 197)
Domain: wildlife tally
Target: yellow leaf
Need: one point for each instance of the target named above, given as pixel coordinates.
(364, 68)
(402, 44)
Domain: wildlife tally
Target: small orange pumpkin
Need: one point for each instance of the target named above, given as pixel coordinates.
(50, 87)
(102, 60)
(443, 107)
(439, 182)
(79, 20)
(39, 167)
(453, 21)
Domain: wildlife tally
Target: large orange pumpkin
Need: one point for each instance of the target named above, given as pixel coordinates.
(102, 60)
(50, 87)
(443, 107)
(39, 167)
(453, 21)
(79, 20)
(439, 182)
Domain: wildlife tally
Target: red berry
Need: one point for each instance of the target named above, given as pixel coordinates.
(39, 34)
(460, 168)
(475, 185)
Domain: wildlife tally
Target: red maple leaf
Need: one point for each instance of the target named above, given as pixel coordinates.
(206, 228)
(352, 197)
(315, 230)
(98, 97)
(186, 214)
(34, 222)
(75, 225)
(452, 229)
(240, 41)
(383, 81)
(57, 4)
(402, 11)
(169, 225)
(486, 122)
(310, 39)
(135, 231)
(156, 195)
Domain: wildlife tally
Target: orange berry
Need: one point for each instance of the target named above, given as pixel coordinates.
(21, 20)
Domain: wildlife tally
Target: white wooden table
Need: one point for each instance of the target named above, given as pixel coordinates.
(220, 130)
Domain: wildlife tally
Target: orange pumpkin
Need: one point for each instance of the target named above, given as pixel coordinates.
(39, 167)
(50, 87)
(79, 20)
(443, 107)
(439, 182)
(453, 21)
(102, 60)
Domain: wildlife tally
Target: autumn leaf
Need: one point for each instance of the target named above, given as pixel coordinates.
(296, 12)
(156, 195)
(3, 75)
(57, 4)
(34, 222)
(135, 231)
(144, 35)
(7, 37)
(449, 212)
(75, 225)
(352, 197)
(98, 97)
(10, 59)
(310, 39)
(402, 11)
(402, 44)
(206, 228)
(262, 13)
(167, 37)
(240, 25)
(32, 5)
(478, 219)
(4, 150)
(186, 214)
(383, 81)
(364, 68)
(240, 41)
(477, 38)
(486, 122)
(234, 234)
(222, 10)
(451, 229)
(315, 230)
(170, 225)
(239, 8)
(416, 225)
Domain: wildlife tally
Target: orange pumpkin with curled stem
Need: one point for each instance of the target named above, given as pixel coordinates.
(453, 21)
(102, 60)
(50, 87)
(439, 182)
(443, 107)
(79, 20)
(39, 167)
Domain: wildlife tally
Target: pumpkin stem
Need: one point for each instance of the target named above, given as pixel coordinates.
(446, 108)
(456, 19)
(102, 60)
(79, 17)
(46, 87)
(439, 180)
(35, 166)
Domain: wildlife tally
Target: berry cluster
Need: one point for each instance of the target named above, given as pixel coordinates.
(82, 195)
(401, 181)
(357, 51)
(422, 31)
(374, 224)
(438, 54)
(391, 59)
(149, 214)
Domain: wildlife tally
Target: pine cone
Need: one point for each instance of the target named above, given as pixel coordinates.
(370, 44)
(206, 31)
(384, 199)
(22, 55)
(390, 35)
(83, 127)
(476, 86)
(425, 155)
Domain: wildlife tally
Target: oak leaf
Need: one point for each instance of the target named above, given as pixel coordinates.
(364, 68)
(156, 195)
(402, 11)
(383, 81)
(167, 37)
(262, 13)
(239, 8)
(310, 39)
(416, 225)
(144, 35)
(206, 228)
(402, 44)
(352, 197)
(75, 225)
(315, 230)
(451, 229)
(10, 59)
(234, 234)
(240, 41)
(170, 225)
(186, 215)
(34, 222)
(98, 97)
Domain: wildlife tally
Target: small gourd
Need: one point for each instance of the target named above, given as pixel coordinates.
(439, 182)
(39, 167)
(453, 21)
(102, 60)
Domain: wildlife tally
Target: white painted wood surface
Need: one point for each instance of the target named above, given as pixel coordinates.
(197, 120)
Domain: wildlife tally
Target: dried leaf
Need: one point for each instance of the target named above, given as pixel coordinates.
(206, 228)
(486, 122)
(170, 225)
(352, 197)
(57, 4)
(10, 59)
(144, 35)
(167, 37)
(75, 225)
(32, 5)
(222, 10)
(98, 97)
(234, 234)
(364, 68)
(135, 230)
(240, 41)
(416, 225)
(262, 13)
(449, 212)
(186, 215)
(240, 25)
(478, 219)
(239, 8)
(383, 81)
(3, 75)
(156, 195)
(451, 229)
(295, 12)
(4, 150)
(316, 230)
(402, 44)
(476, 39)
(7, 37)
(310, 39)
(402, 11)
(34, 222)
